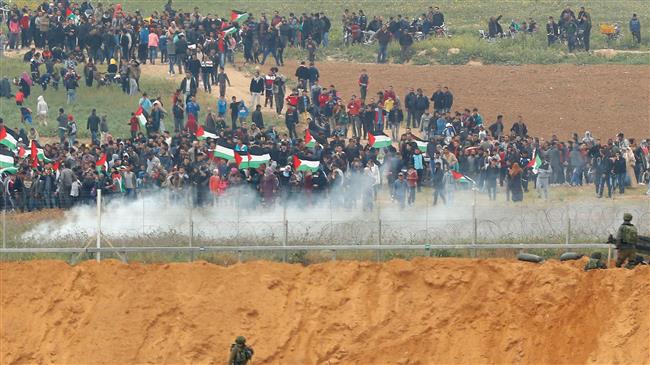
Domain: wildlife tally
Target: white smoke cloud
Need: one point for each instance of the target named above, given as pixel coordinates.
(165, 221)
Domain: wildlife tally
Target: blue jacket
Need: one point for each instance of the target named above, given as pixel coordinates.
(144, 35)
(440, 125)
(222, 106)
(193, 108)
(418, 161)
(635, 25)
(399, 188)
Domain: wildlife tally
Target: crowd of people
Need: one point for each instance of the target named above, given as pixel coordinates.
(431, 142)
(439, 147)
(574, 30)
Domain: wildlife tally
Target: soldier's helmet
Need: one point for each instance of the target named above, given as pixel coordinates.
(627, 217)
(240, 340)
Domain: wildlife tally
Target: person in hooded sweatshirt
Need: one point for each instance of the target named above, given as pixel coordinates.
(41, 110)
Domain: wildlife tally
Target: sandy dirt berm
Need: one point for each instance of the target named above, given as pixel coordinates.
(425, 311)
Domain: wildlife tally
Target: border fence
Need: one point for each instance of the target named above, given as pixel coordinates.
(122, 229)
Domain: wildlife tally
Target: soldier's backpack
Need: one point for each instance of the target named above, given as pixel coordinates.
(243, 355)
(629, 235)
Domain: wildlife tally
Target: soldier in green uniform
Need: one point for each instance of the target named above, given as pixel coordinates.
(626, 239)
(240, 354)
(595, 262)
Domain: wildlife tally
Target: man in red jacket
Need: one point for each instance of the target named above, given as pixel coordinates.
(354, 108)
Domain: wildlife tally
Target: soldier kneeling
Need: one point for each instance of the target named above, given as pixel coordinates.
(595, 262)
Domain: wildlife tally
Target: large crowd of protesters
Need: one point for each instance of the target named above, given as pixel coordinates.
(434, 143)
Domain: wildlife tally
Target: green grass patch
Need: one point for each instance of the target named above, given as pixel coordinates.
(464, 19)
(109, 101)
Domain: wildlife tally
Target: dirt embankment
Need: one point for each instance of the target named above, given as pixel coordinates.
(445, 311)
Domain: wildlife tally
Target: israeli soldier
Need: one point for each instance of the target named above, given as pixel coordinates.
(240, 354)
(595, 262)
(626, 240)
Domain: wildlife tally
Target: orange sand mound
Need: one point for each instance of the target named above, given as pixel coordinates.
(426, 311)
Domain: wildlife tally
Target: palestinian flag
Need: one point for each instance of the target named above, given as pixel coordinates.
(34, 153)
(118, 182)
(6, 159)
(304, 164)
(37, 150)
(70, 15)
(379, 140)
(229, 31)
(461, 178)
(8, 138)
(241, 159)
(201, 134)
(238, 16)
(310, 142)
(22, 152)
(535, 162)
(56, 166)
(101, 165)
(141, 118)
(9, 170)
(256, 157)
(224, 150)
(422, 144)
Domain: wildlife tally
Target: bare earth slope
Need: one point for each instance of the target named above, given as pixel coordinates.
(444, 311)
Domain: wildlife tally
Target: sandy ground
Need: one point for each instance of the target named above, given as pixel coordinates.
(553, 99)
(426, 311)
(239, 80)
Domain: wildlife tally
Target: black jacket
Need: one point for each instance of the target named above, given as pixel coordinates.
(302, 73)
(193, 85)
(447, 100)
(405, 40)
(438, 100)
(422, 103)
(410, 100)
(619, 166)
(93, 123)
(257, 85)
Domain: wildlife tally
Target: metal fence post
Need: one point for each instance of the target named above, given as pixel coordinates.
(331, 220)
(99, 224)
(474, 224)
(378, 252)
(191, 221)
(567, 239)
(143, 208)
(238, 208)
(4, 218)
(286, 233)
